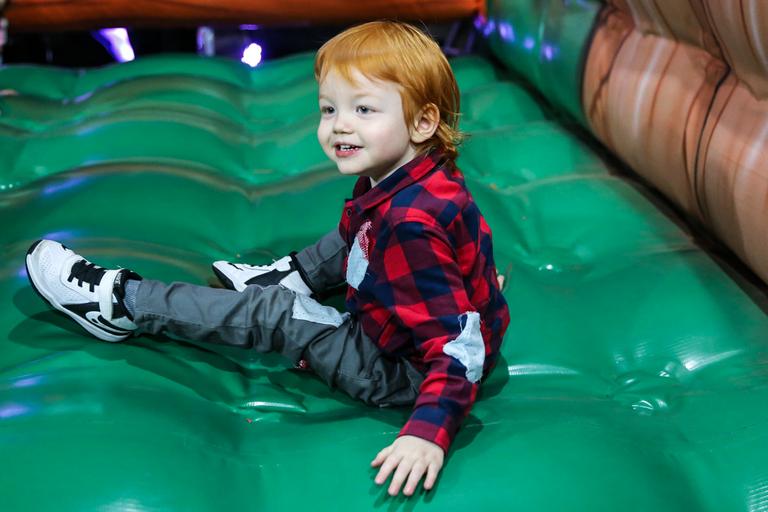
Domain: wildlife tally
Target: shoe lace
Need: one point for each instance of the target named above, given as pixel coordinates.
(86, 272)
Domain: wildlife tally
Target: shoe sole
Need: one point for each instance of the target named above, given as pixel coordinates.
(48, 298)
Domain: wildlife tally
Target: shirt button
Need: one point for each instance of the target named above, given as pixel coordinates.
(349, 212)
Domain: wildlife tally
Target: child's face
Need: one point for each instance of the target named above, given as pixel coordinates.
(362, 126)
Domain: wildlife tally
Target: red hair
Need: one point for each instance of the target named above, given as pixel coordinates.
(400, 53)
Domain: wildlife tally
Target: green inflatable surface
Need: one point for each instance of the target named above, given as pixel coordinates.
(545, 41)
(633, 375)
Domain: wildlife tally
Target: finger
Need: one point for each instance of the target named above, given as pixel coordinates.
(399, 477)
(381, 456)
(432, 471)
(386, 468)
(413, 479)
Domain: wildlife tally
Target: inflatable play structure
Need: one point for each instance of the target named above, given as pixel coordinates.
(617, 151)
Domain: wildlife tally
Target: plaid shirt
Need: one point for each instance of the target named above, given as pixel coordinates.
(423, 284)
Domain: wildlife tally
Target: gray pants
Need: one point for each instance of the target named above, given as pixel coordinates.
(277, 319)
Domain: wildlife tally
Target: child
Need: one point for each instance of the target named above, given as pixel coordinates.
(425, 317)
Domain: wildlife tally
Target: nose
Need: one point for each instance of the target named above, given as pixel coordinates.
(341, 123)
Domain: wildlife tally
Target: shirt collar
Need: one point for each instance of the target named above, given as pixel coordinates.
(365, 197)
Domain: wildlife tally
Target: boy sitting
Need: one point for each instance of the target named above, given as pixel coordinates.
(425, 317)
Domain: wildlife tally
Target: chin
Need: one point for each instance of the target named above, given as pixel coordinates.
(347, 167)
(350, 171)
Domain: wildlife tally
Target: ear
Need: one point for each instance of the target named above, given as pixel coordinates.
(426, 123)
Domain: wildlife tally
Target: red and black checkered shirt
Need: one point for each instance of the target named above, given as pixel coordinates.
(421, 274)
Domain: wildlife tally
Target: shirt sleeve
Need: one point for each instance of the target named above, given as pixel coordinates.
(321, 265)
(423, 287)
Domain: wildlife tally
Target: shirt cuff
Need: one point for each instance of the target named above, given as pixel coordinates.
(432, 423)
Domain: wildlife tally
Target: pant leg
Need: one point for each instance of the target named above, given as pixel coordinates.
(322, 264)
(277, 319)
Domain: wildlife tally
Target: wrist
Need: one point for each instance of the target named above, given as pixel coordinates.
(302, 273)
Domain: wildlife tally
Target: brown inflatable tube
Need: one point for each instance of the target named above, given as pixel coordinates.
(679, 90)
(50, 15)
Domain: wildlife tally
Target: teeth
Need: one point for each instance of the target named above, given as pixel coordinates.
(346, 147)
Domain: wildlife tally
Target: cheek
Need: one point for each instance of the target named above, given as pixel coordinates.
(397, 133)
(322, 132)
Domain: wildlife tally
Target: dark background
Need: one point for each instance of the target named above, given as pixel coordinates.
(81, 49)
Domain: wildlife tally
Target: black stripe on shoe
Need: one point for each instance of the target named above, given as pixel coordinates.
(91, 313)
(270, 278)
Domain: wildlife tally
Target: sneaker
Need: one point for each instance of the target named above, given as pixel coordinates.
(91, 295)
(283, 272)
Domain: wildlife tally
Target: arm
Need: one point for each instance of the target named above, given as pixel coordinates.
(429, 299)
(321, 265)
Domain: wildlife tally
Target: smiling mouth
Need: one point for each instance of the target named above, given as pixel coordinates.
(345, 149)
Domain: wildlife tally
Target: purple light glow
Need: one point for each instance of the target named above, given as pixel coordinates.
(506, 32)
(548, 51)
(119, 44)
(252, 55)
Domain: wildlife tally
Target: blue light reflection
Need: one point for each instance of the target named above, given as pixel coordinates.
(11, 410)
(26, 382)
(489, 28)
(59, 235)
(528, 43)
(54, 188)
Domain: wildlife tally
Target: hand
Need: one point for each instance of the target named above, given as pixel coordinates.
(412, 456)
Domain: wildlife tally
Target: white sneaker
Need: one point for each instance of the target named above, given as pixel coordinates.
(283, 272)
(91, 295)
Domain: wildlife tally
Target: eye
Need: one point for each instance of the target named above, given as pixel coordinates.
(326, 109)
(362, 109)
